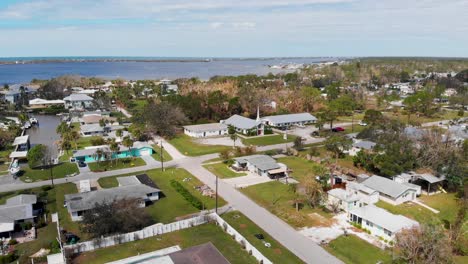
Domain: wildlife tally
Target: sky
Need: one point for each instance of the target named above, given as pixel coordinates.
(234, 28)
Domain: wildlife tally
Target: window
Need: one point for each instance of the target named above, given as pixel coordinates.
(369, 223)
(354, 203)
(388, 233)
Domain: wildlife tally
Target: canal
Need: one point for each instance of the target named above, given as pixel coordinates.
(45, 133)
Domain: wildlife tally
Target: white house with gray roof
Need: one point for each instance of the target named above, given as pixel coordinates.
(78, 101)
(380, 222)
(289, 120)
(18, 209)
(359, 145)
(245, 125)
(206, 130)
(343, 199)
(390, 191)
(262, 165)
(129, 188)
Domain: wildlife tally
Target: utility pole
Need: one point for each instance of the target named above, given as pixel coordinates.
(51, 174)
(162, 158)
(216, 201)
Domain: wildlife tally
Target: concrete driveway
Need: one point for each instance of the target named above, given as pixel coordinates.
(245, 181)
(224, 141)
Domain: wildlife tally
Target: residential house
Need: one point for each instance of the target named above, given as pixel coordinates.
(96, 118)
(78, 101)
(16, 210)
(359, 145)
(22, 146)
(206, 130)
(262, 165)
(77, 204)
(13, 94)
(380, 222)
(426, 182)
(43, 103)
(288, 120)
(342, 199)
(97, 130)
(390, 191)
(138, 149)
(366, 195)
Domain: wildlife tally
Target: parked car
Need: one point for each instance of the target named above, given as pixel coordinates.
(315, 134)
(338, 129)
(81, 164)
(71, 238)
(362, 123)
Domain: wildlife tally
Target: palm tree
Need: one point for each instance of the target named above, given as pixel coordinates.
(74, 136)
(128, 142)
(114, 148)
(98, 155)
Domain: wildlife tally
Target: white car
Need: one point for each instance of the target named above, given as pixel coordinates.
(362, 123)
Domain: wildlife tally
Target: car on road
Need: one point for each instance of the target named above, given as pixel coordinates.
(81, 164)
(362, 123)
(338, 129)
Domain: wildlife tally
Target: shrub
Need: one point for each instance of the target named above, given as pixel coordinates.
(46, 188)
(8, 258)
(26, 225)
(97, 141)
(187, 195)
(12, 242)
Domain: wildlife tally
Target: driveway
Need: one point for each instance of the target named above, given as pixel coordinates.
(151, 161)
(224, 141)
(245, 181)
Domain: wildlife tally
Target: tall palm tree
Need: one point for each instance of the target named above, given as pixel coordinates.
(114, 147)
(128, 142)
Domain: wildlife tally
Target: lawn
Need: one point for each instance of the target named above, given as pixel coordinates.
(172, 205)
(410, 210)
(184, 238)
(442, 115)
(157, 154)
(222, 171)
(5, 159)
(116, 164)
(58, 171)
(84, 142)
(446, 203)
(187, 146)
(278, 198)
(300, 167)
(267, 140)
(45, 236)
(353, 250)
(276, 253)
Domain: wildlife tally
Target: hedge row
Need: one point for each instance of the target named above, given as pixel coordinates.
(187, 195)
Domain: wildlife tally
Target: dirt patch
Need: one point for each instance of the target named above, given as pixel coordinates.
(277, 251)
(243, 226)
(318, 220)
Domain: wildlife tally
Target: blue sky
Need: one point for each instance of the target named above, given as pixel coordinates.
(234, 28)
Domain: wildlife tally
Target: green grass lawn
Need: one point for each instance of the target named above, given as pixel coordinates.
(45, 236)
(222, 170)
(441, 115)
(446, 203)
(186, 238)
(300, 167)
(116, 164)
(172, 205)
(267, 140)
(276, 253)
(58, 171)
(5, 159)
(157, 154)
(278, 198)
(187, 146)
(84, 142)
(410, 210)
(353, 250)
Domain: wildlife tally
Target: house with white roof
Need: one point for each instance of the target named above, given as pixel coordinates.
(359, 145)
(43, 103)
(380, 222)
(206, 130)
(130, 187)
(16, 210)
(262, 165)
(97, 130)
(366, 195)
(390, 191)
(343, 199)
(22, 146)
(78, 101)
(288, 120)
(13, 94)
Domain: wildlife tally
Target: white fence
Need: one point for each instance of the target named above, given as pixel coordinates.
(146, 232)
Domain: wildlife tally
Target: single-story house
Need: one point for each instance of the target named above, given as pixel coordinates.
(206, 130)
(18, 209)
(391, 191)
(289, 120)
(245, 125)
(366, 195)
(138, 149)
(96, 118)
(421, 181)
(380, 222)
(43, 103)
(97, 130)
(343, 199)
(79, 203)
(262, 165)
(78, 101)
(359, 145)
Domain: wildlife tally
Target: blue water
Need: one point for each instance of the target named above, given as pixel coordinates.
(135, 68)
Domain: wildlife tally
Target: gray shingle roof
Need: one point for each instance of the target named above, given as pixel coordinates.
(22, 199)
(241, 122)
(383, 218)
(290, 118)
(128, 180)
(91, 128)
(386, 186)
(364, 144)
(206, 127)
(86, 201)
(262, 162)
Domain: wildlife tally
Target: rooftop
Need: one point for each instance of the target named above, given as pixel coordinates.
(78, 97)
(206, 127)
(383, 218)
(241, 122)
(202, 254)
(262, 162)
(364, 144)
(291, 118)
(21, 140)
(386, 186)
(343, 195)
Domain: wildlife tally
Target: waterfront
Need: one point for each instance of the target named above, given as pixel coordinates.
(45, 133)
(133, 70)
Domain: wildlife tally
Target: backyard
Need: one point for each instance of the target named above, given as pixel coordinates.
(276, 253)
(185, 238)
(116, 164)
(4, 160)
(300, 167)
(187, 146)
(222, 171)
(278, 198)
(58, 171)
(353, 250)
(267, 140)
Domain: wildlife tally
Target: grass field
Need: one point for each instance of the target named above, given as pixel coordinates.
(157, 154)
(186, 238)
(222, 170)
(5, 159)
(353, 250)
(267, 140)
(116, 164)
(276, 253)
(172, 205)
(300, 167)
(278, 198)
(409, 210)
(84, 142)
(187, 146)
(58, 171)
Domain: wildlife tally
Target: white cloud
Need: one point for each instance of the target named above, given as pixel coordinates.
(243, 25)
(216, 25)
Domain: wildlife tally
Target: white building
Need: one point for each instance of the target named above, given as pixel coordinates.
(343, 199)
(206, 130)
(359, 145)
(78, 101)
(366, 195)
(262, 165)
(288, 120)
(380, 222)
(43, 103)
(390, 191)
(245, 125)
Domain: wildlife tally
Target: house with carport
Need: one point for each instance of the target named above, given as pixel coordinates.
(16, 210)
(262, 165)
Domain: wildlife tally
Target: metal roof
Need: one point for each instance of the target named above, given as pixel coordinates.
(386, 186)
(241, 122)
(262, 162)
(91, 128)
(128, 180)
(383, 218)
(21, 140)
(290, 118)
(206, 127)
(364, 144)
(22, 199)
(78, 97)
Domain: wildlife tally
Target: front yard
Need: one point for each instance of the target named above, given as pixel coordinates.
(278, 198)
(157, 154)
(116, 164)
(353, 250)
(187, 146)
(58, 171)
(267, 140)
(222, 171)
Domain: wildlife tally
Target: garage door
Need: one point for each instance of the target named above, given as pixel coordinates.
(145, 152)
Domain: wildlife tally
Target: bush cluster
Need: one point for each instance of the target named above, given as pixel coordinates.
(187, 195)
